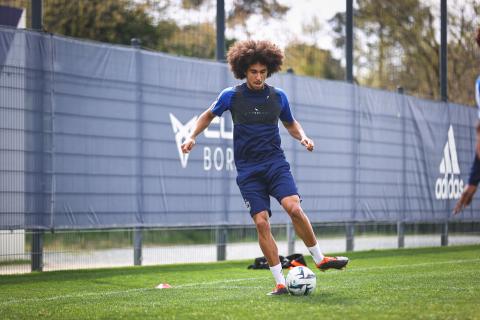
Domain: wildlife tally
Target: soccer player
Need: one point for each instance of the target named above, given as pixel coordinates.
(474, 178)
(262, 170)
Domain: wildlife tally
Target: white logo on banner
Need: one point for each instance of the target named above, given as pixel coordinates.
(219, 158)
(450, 186)
(182, 132)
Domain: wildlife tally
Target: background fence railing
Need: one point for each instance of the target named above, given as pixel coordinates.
(79, 249)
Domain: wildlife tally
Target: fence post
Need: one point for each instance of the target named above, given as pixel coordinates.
(443, 51)
(221, 236)
(401, 220)
(137, 231)
(444, 237)
(350, 235)
(37, 250)
(221, 230)
(401, 234)
(349, 41)
(36, 18)
(220, 22)
(350, 224)
(137, 246)
(290, 238)
(40, 200)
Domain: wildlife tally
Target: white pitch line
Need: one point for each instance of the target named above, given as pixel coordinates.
(215, 282)
(200, 284)
(109, 293)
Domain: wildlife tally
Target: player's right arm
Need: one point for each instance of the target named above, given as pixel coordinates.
(202, 123)
(216, 109)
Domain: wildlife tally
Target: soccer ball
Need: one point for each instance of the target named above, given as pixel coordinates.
(301, 281)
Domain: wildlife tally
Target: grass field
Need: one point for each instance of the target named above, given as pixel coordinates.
(429, 283)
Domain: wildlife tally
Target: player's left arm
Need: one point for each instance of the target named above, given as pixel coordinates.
(293, 126)
(295, 130)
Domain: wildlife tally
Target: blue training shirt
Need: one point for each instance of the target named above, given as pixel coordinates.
(256, 135)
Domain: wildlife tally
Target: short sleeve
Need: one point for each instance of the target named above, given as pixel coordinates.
(286, 113)
(223, 101)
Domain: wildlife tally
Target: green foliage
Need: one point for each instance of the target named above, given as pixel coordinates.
(108, 21)
(429, 283)
(192, 4)
(396, 45)
(195, 40)
(244, 9)
(309, 60)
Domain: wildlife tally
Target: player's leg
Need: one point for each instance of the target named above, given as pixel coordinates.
(283, 188)
(270, 251)
(301, 224)
(255, 194)
(303, 228)
(265, 238)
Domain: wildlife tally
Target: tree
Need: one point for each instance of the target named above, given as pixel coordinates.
(396, 45)
(309, 60)
(463, 52)
(244, 9)
(114, 21)
(194, 40)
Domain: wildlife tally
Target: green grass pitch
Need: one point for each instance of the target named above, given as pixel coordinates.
(427, 283)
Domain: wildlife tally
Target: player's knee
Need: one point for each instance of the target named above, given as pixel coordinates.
(262, 224)
(295, 211)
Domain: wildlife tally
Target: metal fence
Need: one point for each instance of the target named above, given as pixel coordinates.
(68, 249)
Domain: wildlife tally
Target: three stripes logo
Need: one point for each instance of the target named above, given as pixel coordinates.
(450, 186)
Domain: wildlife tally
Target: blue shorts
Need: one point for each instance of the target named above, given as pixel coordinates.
(259, 183)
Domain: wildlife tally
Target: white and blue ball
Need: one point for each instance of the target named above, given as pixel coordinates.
(301, 281)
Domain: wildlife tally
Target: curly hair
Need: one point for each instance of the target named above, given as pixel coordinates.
(478, 37)
(243, 54)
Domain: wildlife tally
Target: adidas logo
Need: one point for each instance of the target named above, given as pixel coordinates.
(450, 186)
(182, 132)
